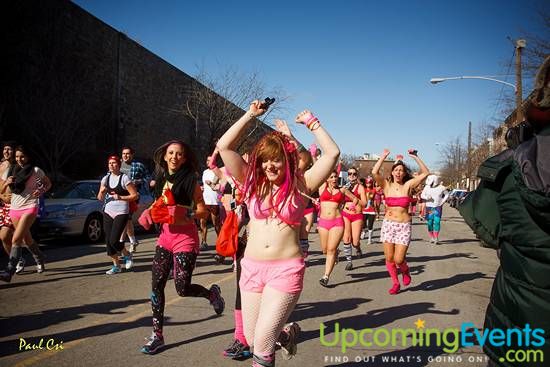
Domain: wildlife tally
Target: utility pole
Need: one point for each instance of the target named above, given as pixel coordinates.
(519, 97)
(468, 162)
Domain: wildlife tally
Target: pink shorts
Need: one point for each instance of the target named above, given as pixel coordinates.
(396, 232)
(330, 223)
(180, 238)
(352, 217)
(18, 213)
(283, 275)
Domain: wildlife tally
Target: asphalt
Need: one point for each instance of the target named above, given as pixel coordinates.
(100, 320)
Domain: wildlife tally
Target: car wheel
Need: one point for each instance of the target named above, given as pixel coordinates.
(93, 229)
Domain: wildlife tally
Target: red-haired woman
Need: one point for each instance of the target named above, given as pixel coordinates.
(273, 267)
(396, 227)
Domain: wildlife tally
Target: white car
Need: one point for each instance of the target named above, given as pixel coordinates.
(75, 210)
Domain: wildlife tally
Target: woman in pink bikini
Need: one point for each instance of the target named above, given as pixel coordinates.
(396, 227)
(353, 217)
(331, 222)
(273, 267)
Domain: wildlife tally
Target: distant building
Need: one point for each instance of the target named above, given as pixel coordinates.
(366, 163)
(75, 90)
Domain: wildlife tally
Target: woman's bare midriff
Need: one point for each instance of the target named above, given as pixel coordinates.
(397, 214)
(329, 210)
(271, 239)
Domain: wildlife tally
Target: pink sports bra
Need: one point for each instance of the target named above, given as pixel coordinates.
(402, 201)
(291, 214)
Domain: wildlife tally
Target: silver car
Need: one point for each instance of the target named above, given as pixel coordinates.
(75, 210)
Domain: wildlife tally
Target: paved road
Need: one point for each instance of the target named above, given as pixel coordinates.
(102, 320)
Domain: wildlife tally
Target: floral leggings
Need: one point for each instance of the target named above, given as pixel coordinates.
(184, 265)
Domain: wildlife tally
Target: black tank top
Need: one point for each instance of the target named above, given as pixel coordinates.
(118, 189)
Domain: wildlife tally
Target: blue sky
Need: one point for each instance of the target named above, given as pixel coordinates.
(362, 66)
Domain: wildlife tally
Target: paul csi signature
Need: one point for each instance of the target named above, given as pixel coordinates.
(47, 344)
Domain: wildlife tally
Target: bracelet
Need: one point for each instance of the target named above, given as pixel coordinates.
(311, 121)
(314, 126)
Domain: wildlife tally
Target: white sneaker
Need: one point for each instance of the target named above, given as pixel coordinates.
(40, 268)
(363, 235)
(20, 266)
(114, 270)
(129, 262)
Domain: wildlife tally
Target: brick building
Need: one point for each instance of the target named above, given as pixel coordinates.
(76, 90)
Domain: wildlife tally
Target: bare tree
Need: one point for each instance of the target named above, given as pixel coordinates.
(348, 160)
(453, 162)
(216, 101)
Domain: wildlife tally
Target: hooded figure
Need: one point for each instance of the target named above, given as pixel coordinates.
(510, 211)
(434, 195)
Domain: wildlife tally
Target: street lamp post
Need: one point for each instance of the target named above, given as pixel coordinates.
(440, 80)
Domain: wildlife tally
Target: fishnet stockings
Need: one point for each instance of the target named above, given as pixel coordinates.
(264, 315)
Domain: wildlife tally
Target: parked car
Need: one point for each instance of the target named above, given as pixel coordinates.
(75, 210)
(456, 197)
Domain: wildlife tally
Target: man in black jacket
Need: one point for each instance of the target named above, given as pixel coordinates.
(510, 211)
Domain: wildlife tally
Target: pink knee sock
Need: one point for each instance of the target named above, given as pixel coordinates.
(239, 334)
(405, 273)
(392, 269)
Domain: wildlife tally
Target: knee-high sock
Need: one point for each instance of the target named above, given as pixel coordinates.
(36, 253)
(347, 251)
(15, 254)
(239, 332)
(392, 269)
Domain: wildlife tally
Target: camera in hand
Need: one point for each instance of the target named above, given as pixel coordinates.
(267, 102)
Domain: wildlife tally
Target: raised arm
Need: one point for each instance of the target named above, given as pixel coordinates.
(424, 171)
(231, 159)
(376, 169)
(322, 168)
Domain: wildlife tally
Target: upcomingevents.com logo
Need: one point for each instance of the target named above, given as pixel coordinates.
(522, 344)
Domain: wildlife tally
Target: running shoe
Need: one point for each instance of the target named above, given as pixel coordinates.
(358, 252)
(129, 262)
(204, 246)
(237, 350)
(324, 281)
(40, 268)
(20, 266)
(154, 343)
(114, 270)
(290, 347)
(216, 299)
(363, 235)
(219, 259)
(349, 266)
(133, 247)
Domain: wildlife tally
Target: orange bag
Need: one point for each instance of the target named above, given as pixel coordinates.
(228, 238)
(159, 209)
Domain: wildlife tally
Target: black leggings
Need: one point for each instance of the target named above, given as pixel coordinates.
(238, 256)
(368, 219)
(113, 228)
(183, 270)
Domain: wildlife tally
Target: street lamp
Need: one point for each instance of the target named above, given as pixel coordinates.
(440, 80)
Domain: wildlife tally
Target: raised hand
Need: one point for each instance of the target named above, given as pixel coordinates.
(257, 108)
(304, 117)
(282, 127)
(385, 153)
(413, 152)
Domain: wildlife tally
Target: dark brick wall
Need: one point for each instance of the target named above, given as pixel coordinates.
(76, 88)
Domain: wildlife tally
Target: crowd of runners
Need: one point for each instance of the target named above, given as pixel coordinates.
(278, 190)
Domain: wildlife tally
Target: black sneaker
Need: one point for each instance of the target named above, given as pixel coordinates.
(219, 259)
(154, 343)
(237, 350)
(358, 252)
(349, 266)
(204, 246)
(324, 281)
(216, 299)
(5, 276)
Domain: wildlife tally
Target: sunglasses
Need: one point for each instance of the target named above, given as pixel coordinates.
(352, 173)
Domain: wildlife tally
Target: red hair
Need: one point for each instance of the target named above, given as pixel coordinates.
(114, 158)
(274, 145)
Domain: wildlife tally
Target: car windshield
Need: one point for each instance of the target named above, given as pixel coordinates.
(78, 190)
